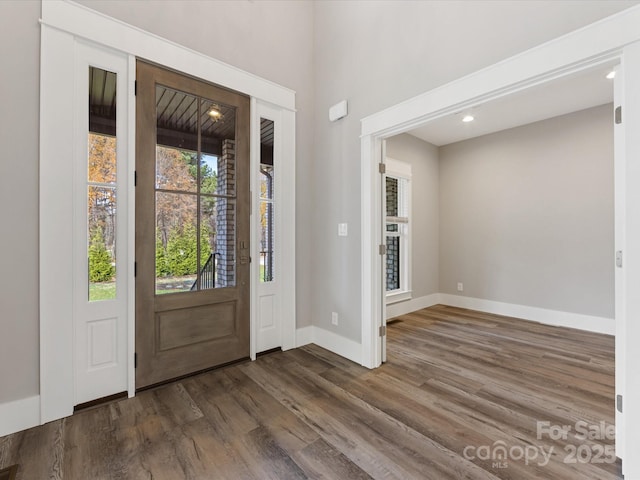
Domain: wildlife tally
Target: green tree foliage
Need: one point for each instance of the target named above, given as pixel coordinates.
(205, 244)
(162, 266)
(176, 232)
(101, 200)
(100, 261)
(181, 255)
(182, 251)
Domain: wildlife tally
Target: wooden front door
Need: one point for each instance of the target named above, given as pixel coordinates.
(192, 225)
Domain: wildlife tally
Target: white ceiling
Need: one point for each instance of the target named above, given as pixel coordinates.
(558, 97)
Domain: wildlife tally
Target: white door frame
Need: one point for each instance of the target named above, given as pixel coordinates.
(613, 38)
(64, 24)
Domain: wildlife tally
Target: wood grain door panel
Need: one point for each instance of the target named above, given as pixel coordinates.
(204, 321)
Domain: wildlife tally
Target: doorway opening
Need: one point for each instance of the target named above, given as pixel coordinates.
(453, 99)
(504, 211)
(510, 188)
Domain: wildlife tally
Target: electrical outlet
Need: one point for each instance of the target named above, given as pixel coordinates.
(334, 318)
(460, 287)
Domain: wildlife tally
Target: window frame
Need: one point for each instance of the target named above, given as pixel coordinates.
(402, 172)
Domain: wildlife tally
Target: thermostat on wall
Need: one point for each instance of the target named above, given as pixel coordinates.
(338, 111)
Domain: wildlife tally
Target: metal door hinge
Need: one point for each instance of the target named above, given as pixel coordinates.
(382, 168)
(619, 403)
(135, 360)
(619, 259)
(382, 330)
(618, 115)
(135, 269)
(135, 178)
(382, 249)
(135, 87)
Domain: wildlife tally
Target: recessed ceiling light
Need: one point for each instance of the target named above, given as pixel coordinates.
(611, 74)
(467, 118)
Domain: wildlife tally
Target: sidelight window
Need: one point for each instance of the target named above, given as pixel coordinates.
(101, 185)
(267, 180)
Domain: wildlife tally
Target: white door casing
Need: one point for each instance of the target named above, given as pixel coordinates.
(383, 266)
(619, 246)
(628, 324)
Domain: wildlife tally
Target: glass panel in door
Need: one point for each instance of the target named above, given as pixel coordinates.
(195, 193)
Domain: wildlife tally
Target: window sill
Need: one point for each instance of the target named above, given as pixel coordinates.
(399, 296)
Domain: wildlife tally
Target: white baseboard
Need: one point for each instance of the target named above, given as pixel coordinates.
(408, 306)
(333, 342)
(304, 336)
(353, 350)
(541, 315)
(19, 415)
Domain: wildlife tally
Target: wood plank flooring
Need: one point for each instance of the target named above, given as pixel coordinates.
(458, 386)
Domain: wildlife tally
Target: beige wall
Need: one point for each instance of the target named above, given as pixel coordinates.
(527, 215)
(522, 216)
(423, 158)
(19, 126)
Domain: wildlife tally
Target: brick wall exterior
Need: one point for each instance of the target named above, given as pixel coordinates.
(225, 216)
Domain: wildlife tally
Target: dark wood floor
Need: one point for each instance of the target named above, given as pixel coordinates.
(457, 386)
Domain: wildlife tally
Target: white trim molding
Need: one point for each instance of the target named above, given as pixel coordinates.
(545, 316)
(345, 347)
(588, 46)
(541, 315)
(413, 305)
(83, 22)
(304, 336)
(19, 415)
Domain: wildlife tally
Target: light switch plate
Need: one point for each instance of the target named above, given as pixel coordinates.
(342, 230)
